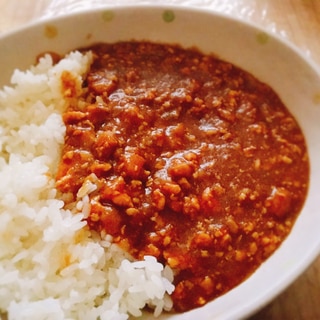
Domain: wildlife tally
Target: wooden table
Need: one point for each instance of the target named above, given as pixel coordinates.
(296, 20)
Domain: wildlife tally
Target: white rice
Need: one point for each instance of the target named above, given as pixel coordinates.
(51, 265)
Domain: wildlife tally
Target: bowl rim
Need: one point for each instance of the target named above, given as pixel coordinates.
(192, 8)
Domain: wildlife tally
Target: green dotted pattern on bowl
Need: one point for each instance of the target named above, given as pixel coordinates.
(107, 15)
(262, 38)
(168, 16)
(50, 31)
(316, 98)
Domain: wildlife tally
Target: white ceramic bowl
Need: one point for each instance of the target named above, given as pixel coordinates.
(269, 58)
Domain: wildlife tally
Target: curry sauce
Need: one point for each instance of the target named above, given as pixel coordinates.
(194, 161)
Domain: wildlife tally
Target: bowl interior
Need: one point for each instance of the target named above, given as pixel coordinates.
(270, 59)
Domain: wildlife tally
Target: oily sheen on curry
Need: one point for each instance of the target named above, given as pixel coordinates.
(193, 161)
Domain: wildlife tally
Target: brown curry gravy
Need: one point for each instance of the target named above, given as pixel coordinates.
(196, 162)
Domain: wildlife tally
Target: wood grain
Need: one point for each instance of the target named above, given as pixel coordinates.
(301, 301)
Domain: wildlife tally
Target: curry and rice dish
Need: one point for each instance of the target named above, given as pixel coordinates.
(172, 157)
